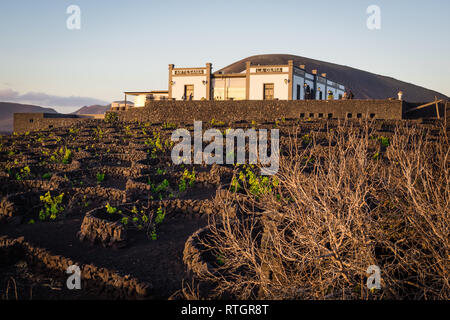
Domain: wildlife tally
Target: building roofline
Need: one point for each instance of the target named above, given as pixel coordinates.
(134, 93)
(228, 75)
(123, 101)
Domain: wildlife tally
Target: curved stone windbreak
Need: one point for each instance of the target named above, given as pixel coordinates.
(103, 193)
(100, 281)
(14, 207)
(94, 229)
(39, 184)
(108, 229)
(187, 206)
(192, 255)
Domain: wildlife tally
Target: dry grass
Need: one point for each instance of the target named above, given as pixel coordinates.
(340, 207)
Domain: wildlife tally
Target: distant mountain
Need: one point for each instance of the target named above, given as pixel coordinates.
(95, 109)
(7, 110)
(364, 85)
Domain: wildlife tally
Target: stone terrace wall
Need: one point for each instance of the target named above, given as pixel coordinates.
(227, 111)
(24, 122)
(178, 111)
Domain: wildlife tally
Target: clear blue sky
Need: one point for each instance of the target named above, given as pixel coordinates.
(127, 45)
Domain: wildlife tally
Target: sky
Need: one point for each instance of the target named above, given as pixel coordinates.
(127, 45)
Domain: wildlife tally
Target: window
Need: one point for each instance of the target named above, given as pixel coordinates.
(320, 115)
(31, 120)
(302, 115)
(311, 115)
(372, 115)
(349, 116)
(320, 95)
(330, 115)
(298, 92)
(268, 91)
(359, 115)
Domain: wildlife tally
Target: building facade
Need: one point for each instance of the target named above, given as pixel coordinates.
(256, 82)
(121, 105)
(140, 98)
(268, 82)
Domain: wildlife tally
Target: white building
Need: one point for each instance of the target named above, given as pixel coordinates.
(140, 98)
(268, 82)
(121, 105)
(256, 82)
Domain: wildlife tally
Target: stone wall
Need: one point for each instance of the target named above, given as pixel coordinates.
(228, 111)
(102, 282)
(24, 122)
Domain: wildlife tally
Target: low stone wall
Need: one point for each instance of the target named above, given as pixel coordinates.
(192, 255)
(229, 111)
(101, 192)
(24, 122)
(107, 233)
(101, 281)
(15, 206)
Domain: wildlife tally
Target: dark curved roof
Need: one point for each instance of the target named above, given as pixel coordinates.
(364, 85)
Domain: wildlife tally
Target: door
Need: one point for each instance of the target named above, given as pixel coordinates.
(268, 91)
(189, 91)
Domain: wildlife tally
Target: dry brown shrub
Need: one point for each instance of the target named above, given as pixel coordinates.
(340, 207)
